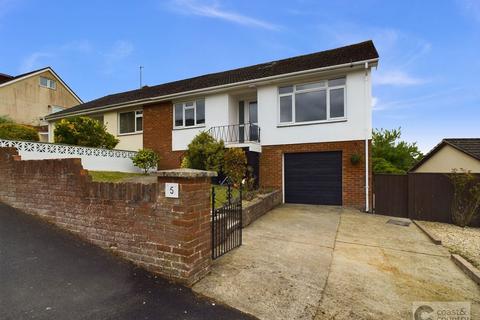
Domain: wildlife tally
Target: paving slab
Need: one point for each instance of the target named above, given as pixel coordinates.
(378, 270)
(280, 270)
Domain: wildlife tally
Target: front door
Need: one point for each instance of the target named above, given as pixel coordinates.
(241, 121)
(253, 121)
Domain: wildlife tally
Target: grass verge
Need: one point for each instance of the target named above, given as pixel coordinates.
(111, 176)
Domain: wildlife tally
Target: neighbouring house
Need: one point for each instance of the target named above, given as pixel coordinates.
(300, 120)
(451, 154)
(27, 98)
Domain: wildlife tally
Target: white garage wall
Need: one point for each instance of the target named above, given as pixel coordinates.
(94, 159)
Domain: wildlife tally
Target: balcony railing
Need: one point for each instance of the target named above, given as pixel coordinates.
(236, 133)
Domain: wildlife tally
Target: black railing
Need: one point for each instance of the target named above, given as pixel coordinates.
(236, 133)
(226, 222)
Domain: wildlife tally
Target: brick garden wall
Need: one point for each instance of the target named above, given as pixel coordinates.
(353, 176)
(171, 237)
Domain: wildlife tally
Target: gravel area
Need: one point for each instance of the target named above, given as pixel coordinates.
(463, 241)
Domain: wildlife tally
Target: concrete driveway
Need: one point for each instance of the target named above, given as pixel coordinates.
(281, 269)
(49, 274)
(316, 262)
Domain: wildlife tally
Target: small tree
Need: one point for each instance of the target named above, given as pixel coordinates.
(392, 155)
(146, 159)
(84, 131)
(204, 153)
(13, 131)
(235, 164)
(466, 196)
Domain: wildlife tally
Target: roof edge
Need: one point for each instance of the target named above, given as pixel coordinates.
(435, 149)
(65, 113)
(36, 72)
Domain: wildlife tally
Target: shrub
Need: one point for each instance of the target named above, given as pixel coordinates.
(146, 159)
(466, 196)
(235, 164)
(13, 131)
(84, 131)
(204, 153)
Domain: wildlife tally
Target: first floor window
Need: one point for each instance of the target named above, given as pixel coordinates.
(189, 114)
(131, 122)
(48, 83)
(318, 101)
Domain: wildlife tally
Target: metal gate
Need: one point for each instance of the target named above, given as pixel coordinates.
(226, 221)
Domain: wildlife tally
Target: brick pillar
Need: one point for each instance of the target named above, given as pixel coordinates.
(190, 215)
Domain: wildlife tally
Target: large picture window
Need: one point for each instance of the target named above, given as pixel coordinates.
(189, 114)
(131, 122)
(312, 102)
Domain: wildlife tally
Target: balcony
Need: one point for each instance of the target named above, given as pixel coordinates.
(241, 135)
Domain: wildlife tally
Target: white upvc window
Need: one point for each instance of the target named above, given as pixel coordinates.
(48, 83)
(189, 114)
(321, 101)
(54, 109)
(130, 122)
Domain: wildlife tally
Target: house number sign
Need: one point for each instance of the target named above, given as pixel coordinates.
(171, 190)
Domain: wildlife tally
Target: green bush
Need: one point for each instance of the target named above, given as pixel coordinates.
(235, 164)
(146, 159)
(204, 153)
(13, 131)
(466, 196)
(84, 131)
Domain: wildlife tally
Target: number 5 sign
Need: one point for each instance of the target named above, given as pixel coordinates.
(171, 190)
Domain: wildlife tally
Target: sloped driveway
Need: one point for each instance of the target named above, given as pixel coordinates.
(316, 262)
(48, 274)
(281, 268)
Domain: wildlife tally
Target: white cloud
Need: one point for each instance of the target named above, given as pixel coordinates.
(374, 103)
(445, 98)
(119, 51)
(114, 54)
(396, 78)
(471, 7)
(34, 61)
(214, 10)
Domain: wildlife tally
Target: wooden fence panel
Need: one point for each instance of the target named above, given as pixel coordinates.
(419, 196)
(430, 197)
(391, 194)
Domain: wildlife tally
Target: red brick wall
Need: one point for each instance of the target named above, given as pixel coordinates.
(353, 183)
(168, 236)
(157, 134)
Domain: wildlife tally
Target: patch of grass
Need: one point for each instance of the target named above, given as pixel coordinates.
(111, 176)
(221, 195)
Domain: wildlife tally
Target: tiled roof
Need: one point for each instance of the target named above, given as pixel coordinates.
(470, 146)
(344, 55)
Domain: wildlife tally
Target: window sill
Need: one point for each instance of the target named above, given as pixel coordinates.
(46, 87)
(281, 125)
(129, 133)
(186, 128)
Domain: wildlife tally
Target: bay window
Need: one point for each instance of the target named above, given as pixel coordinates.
(312, 102)
(189, 114)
